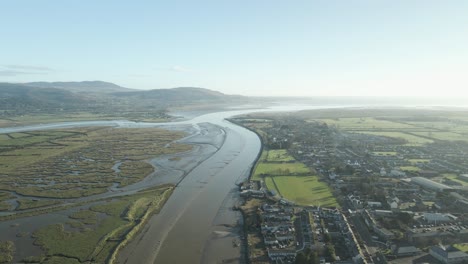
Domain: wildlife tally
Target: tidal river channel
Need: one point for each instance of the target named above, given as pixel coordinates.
(197, 223)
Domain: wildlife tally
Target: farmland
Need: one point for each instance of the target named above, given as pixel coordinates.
(411, 140)
(416, 131)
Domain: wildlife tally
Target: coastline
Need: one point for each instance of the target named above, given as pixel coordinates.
(244, 233)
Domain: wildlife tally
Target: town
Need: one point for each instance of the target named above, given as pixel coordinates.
(399, 181)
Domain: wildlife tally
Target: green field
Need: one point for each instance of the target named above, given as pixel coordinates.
(277, 162)
(280, 168)
(450, 126)
(278, 155)
(271, 185)
(450, 136)
(410, 168)
(411, 139)
(462, 246)
(305, 190)
(455, 178)
(366, 123)
(280, 173)
(418, 161)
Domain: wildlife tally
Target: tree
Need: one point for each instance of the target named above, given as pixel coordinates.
(301, 258)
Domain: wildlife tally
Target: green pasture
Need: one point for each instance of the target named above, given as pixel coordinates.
(411, 139)
(278, 155)
(418, 161)
(366, 123)
(280, 169)
(455, 178)
(449, 136)
(410, 168)
(462, 246)
(305, 190)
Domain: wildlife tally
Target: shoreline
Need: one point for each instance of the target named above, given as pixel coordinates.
(199, 215)
(243, 230)
(205, 141)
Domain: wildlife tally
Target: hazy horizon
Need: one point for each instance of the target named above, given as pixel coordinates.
(254, 48)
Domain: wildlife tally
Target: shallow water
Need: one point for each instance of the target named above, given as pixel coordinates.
(185, 229)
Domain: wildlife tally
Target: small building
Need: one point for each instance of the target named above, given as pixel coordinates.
(374, 204)
(407, 251)
(448, 255)
(439, 218)
(252, 193)
(277, 254)
(383, 233)
(397, 173)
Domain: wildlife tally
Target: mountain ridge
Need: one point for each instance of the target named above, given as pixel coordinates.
(44, 97)
(82, 86)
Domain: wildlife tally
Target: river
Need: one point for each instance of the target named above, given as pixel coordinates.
(197, 223)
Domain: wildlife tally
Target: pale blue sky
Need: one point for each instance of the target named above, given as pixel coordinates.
(250, 47)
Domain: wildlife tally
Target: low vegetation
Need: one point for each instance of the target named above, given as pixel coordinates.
(98, 237)
(83, 162)
(25, 204)
(7, 249)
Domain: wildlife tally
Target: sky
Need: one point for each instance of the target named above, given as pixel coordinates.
(248, 47)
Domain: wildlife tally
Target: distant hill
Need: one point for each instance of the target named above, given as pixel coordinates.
(82, 87)
(181, 95)
(23, 98)
(101, 97)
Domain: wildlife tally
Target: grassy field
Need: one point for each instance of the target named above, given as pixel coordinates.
(305, 190)
(449, 136)
(271, 185)
(443, 125)
(412, 133)
(418, 161)
(280, 168)
(281, 173)
(410, 168)
(411, 139)
(455, 178)
(366, 123)
(278, 155)
(462, 246)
